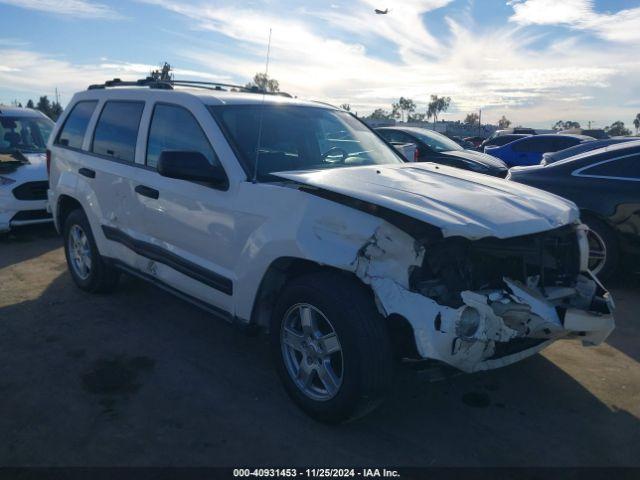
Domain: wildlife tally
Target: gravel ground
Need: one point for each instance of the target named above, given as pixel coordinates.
(142, 378)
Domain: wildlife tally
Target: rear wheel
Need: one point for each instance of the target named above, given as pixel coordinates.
(603, 248)
(331, 347)
(89, 270)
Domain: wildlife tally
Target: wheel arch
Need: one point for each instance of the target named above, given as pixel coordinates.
(279, 272)
(66, 205)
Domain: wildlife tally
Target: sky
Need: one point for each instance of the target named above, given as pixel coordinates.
(534, 61)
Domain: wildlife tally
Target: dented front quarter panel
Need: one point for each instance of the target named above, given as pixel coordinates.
(382, 256)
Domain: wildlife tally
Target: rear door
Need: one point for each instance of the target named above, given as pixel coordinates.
(613, 187)
(529, 151)
(109, 172)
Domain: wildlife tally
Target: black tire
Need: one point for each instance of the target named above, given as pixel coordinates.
(102, 277)
(365, 345)
(605, 234)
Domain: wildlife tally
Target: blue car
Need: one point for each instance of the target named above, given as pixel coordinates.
(529, 150)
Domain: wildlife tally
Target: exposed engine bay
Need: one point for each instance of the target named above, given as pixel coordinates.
(481, 304)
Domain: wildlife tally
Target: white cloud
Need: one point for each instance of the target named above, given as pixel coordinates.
(622, 26)
(37, 74)
(328, 55)
(69, 8)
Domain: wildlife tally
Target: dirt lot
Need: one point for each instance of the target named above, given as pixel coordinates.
(142, 378)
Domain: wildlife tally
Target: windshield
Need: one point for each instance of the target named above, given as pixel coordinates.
(299, 138)
(26, 134)
(436, 141)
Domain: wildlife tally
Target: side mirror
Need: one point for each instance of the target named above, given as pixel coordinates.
(194, 166)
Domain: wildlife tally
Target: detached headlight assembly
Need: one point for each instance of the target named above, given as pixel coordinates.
(6, 181)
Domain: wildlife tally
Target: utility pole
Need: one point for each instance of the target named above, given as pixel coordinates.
(480, 123)
(57, 95)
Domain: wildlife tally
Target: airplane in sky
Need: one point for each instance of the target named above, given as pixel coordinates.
(381, 12)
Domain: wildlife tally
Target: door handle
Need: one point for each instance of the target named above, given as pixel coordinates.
(87, 172)
(147, 192)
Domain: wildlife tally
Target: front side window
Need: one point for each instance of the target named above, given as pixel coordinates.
(117, 130)
(175, 128)
(25, 134)
(626, 167)
(281, 137)
(75, 126)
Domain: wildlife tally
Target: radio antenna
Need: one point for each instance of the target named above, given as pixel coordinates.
(264, 92)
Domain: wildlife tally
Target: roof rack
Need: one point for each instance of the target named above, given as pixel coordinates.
(169, 84)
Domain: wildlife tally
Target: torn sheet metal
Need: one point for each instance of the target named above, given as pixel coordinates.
(467, 337)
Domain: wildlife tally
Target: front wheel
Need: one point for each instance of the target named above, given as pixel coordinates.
(331, 347)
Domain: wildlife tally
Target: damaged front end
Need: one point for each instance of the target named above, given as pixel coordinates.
(483, 304)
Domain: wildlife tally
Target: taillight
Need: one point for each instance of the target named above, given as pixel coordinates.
(48, 162)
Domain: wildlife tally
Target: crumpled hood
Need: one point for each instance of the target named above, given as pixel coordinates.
(459, 202)
(483, 158)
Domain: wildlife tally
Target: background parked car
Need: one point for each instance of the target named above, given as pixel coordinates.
(529, 150)
(516, 130)
(553, 157)
(23, 171)
(476, 141)
(605, 184)
(597, 133)
(435, 147)
(501, 140)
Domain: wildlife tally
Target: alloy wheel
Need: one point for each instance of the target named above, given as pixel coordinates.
(79, 252)
(312, 352)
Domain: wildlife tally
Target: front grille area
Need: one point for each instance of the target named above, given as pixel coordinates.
(456, 264)
(31, 191)
(27, 215)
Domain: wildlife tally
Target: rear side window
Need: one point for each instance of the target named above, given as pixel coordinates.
(75, 126)
(534, 145)
(175, 128)
(395, 136)
(117, 130)
(561, 143)
(627, 167)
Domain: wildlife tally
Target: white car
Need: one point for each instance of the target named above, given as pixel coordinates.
(23, 171)
(295, 217)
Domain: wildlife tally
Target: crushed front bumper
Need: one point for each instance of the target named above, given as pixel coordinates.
(500, 327)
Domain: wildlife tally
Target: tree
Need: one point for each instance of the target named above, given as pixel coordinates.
(504, 123)
(380, 114)
(617, 129)
(44, 105)
(403, 108)
(263, 83)
(346, 106)
(437, 105)
(472, 119)
(416, 117)
(636, 123)
(560, 125)
(56, 111)
(30, 104)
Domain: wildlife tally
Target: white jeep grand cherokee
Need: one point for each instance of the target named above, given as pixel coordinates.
(296, 217)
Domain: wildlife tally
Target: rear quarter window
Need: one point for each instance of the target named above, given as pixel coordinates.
(75, 125)
(117, 130)
(625, 168)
